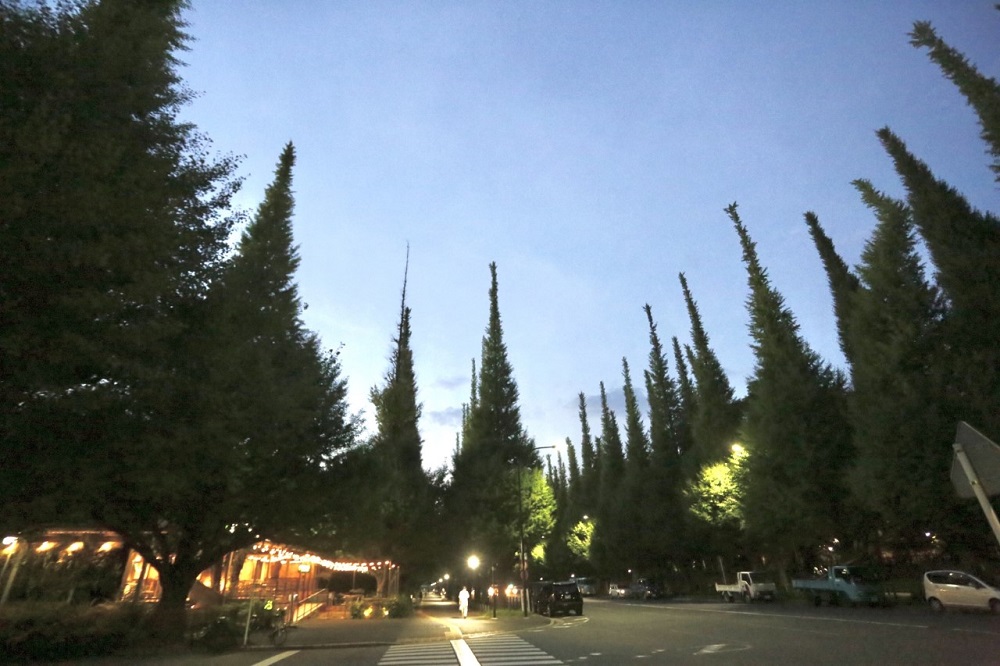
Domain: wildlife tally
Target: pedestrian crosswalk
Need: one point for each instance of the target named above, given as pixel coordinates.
(508, 649)
(493, 650)
(423, 654)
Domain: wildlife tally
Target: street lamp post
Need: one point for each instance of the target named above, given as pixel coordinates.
(473, 563)
(13, 549)
(522, 557)
(493, 589)
(521, 562)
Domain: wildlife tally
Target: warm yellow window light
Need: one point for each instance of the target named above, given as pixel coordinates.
(75, 546)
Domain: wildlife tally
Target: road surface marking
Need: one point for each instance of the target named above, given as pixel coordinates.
(276, 658)
(464, 653)
(425, 654)
(492, 650)
(782, 615)
(509, 649)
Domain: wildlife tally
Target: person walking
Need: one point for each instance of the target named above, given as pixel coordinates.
(463, 602)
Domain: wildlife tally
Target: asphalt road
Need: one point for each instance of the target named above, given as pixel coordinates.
(614, 632)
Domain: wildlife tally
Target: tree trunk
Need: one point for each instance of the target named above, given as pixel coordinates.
(169, 619)
(380, 580)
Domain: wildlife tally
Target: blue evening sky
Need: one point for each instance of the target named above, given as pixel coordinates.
(589, 148)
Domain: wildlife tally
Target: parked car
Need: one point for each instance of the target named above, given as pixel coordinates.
(645, 588)
(616, 591)
(587, 586)
(957, 589)
(555, 598)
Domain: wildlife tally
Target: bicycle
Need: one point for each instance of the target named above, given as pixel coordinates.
(229, 632)
(272, 623)
(220, 635)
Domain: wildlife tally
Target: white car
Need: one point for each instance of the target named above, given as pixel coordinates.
(617, 591)
(957, 589)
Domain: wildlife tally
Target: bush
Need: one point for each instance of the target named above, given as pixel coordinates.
(233, 611)
(54, 631)
(220, 635)
(376, 609)
(401, 606)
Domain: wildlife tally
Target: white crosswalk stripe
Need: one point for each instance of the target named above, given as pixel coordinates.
(424, 654)
(508, 650)
(495, 650)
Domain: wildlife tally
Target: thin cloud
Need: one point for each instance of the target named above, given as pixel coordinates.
(447, 417)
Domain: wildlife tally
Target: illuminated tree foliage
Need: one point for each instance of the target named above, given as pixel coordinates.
(579, 539)
(980, 91)
(901, 421)
(635, 488)
(170, 391)
(795, 430)
(564, 479)
(868, 460)
(715, 497)
(393, 501)
(110, 225)
(687, 401)
(843, 283)
(609, 546)
(538, 506)
(590, 472)
(666, 440)
(244, 443)
(716, 417)
(483, 497)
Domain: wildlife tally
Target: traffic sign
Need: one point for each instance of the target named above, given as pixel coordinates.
(983, 454)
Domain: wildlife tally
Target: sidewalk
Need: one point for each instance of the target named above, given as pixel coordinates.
(433, 621)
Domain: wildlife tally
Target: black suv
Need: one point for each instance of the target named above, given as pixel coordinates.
(554, 598)
(644, 588)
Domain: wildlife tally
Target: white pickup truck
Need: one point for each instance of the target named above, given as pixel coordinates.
(749, 586)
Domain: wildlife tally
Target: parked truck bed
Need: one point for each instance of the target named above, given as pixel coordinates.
(841, 584)
(749, 586)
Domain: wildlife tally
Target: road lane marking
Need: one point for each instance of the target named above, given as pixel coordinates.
(781, 615)
(833, 619)
(276, 658)
(464, 653)
(719, 648)
(974, 631)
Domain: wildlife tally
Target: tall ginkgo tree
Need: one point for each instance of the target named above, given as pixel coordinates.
(796, 432)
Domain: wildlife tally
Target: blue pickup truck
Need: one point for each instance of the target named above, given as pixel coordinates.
(841, 584)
